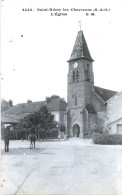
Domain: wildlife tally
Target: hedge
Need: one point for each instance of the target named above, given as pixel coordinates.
(48, 134)
(107, 139)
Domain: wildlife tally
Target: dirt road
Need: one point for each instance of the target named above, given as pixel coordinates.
(62, 167)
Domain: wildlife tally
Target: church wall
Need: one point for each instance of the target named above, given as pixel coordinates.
(82, 89)
(100, 109)
(62, 112)
(88, 93)
(101, 117)
(68, 122)
(77, 90)
(92, 122)
(85, 123)
(74, 118)
(80, 69)
(98, 103)
(89, 123)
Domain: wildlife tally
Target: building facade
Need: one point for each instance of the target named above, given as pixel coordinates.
(114, 114)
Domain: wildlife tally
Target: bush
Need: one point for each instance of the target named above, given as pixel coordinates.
(97, 131)
(107, 139)
(52, 133)
(48, 134)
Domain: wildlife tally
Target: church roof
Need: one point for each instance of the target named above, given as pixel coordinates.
(105, 94)
(80, 49)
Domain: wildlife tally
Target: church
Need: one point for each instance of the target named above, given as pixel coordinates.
(86, 103)
(86, 107)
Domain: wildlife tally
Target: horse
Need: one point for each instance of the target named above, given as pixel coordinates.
(32, 138)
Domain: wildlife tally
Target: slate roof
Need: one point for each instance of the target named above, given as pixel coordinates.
(80, 49)
(9, 118)
(105, 94)
(25, 108)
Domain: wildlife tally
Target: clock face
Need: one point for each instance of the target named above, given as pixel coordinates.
(75, 65)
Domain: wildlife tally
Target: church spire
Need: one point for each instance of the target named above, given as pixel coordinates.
(80, 49)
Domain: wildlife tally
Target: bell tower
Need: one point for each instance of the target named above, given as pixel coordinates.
(80, 83)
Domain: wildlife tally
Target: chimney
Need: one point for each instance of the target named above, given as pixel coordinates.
(29, 101)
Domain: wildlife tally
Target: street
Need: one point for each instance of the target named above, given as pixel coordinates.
(69, 167)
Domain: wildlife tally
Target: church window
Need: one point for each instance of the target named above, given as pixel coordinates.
(77, 75)
(87, 73)
(73, 76)
(75, 101)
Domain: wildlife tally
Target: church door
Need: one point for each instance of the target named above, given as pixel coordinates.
(76, 130)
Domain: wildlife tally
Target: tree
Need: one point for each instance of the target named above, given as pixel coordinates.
(42, 119)
(48, 99)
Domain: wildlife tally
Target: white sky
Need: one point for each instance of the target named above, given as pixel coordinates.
(35, 66)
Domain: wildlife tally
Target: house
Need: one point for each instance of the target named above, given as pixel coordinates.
(114, 114)
(56, 106)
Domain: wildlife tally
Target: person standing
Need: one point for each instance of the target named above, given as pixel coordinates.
(59, 135)
(6, 141)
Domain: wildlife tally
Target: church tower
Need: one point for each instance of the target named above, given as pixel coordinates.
(80, 87)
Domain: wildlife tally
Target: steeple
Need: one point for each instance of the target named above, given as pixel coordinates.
(80, 49)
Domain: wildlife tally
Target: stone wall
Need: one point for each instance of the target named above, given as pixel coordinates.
(113, 127)
(101, 117)
(74, 118)
(114, 108)
(114, 113)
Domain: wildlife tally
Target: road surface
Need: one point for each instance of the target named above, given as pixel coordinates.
(69, 167)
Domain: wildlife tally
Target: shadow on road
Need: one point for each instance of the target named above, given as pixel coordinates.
(22, 151)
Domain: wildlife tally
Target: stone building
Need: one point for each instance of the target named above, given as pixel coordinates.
(86, 108)
(56, 106)
(114, 114)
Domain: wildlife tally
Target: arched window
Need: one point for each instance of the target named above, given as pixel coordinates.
(87, 73)
(77, 75)
(73, 76)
